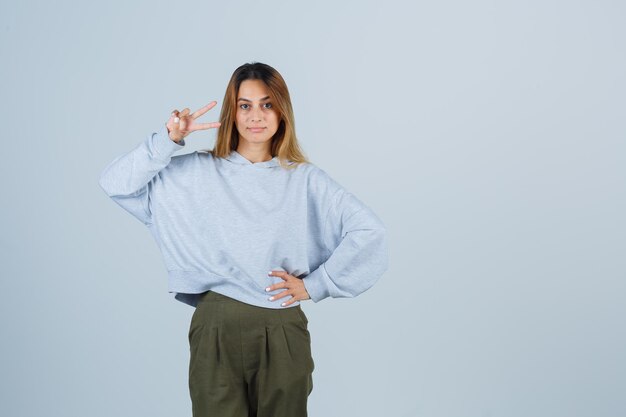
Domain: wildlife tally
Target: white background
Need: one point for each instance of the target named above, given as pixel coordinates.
(488, 136)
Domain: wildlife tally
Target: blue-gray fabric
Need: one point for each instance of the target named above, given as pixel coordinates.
(222, 224)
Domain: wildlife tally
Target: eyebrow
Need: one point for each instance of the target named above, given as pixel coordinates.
(245, 99)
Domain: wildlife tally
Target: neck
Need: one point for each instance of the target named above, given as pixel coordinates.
(259, 153)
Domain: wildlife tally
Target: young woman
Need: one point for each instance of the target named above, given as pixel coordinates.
(247, 230)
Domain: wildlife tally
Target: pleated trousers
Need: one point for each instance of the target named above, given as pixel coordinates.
(248, 361)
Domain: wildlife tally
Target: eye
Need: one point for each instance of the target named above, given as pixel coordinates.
(244, 104)
(268, 104)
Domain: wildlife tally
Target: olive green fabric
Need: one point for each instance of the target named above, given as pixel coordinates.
(247, 360)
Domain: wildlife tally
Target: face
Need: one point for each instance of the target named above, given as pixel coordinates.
(254, 110)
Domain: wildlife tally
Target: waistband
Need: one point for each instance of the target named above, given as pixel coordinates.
(212, 296)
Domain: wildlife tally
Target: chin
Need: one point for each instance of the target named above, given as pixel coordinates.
(257, 140)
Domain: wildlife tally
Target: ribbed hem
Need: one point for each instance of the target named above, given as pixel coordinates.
(188, 285)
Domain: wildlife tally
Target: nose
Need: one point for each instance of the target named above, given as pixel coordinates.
(255, 115)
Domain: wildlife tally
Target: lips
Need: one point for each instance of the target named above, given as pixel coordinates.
(256, 129)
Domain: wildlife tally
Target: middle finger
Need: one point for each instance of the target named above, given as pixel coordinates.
(278, 296)
(203, 126)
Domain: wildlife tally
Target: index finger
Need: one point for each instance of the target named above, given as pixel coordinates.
(203, 110)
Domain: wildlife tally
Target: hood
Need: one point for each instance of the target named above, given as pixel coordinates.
(238, 158)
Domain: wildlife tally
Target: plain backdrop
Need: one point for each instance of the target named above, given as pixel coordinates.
(489, 136)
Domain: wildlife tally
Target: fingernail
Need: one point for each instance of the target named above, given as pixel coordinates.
(283, 304)
(271, 298)
(269, 273)
(267, 289)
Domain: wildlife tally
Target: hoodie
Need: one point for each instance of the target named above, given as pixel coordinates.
(222, 224)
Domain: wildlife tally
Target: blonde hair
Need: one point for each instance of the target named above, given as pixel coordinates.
(284, 142)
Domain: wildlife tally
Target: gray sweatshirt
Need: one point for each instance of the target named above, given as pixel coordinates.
(222, 224)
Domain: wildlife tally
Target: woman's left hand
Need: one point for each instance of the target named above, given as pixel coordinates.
(294, 287)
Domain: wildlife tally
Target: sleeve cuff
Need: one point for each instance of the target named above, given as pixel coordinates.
(315, 284)
(165, 146)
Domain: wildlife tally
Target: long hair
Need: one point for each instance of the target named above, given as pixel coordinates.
(284, 142)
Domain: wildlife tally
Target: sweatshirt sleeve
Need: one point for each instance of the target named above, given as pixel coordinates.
(127, 178)
(356, 238)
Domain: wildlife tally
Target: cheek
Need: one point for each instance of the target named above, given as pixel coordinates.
(240, 119)
(275, 119)
(239, 124)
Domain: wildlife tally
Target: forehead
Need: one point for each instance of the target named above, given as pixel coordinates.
(253, 90)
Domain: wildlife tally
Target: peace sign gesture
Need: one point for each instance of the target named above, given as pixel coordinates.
(182, 123)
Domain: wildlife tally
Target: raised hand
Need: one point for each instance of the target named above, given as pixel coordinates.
(182, 123)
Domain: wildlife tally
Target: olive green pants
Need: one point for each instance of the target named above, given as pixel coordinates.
(248, 361)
